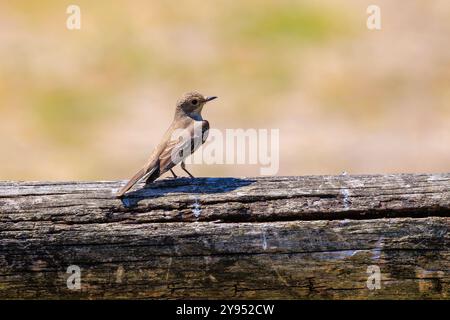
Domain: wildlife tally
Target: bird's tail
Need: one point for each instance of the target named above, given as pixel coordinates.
(153, 176)
(138, 176)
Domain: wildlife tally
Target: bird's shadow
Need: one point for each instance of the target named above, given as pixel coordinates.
(183, 185)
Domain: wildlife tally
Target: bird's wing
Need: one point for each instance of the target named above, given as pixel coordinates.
(183, 144)
(177, 146)
(151, 166)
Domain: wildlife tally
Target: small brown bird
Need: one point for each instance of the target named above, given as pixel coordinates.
(186, 133)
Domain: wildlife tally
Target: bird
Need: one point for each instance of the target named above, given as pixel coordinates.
(184, 136)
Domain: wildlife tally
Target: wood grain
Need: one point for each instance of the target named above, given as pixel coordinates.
(309, 237)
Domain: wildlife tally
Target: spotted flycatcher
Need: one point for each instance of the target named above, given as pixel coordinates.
(186, 133)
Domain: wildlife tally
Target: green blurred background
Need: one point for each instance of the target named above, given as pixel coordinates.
(82, 104)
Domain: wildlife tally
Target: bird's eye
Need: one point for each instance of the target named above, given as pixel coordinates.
(194, 102)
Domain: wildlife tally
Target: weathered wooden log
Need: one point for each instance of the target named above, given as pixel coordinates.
(279, 237)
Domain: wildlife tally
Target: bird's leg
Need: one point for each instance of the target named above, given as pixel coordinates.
(173, 173)
(183, 166)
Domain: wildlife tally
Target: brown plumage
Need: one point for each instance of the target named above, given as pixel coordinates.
(187, 132)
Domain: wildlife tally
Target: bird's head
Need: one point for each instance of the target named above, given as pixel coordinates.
(192, 103)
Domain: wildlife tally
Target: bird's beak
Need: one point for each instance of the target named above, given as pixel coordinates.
(210, 98)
